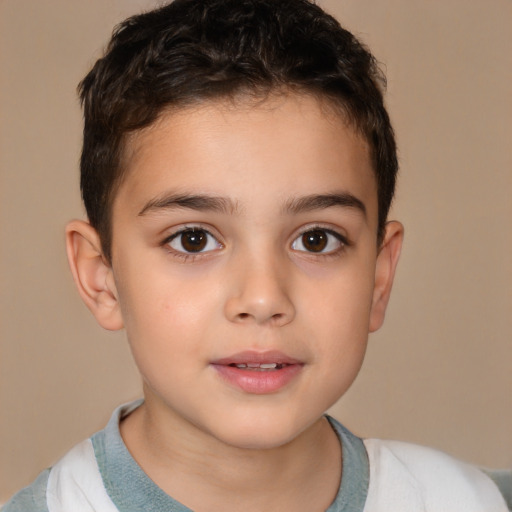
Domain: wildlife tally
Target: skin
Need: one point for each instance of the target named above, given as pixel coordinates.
(256, 285)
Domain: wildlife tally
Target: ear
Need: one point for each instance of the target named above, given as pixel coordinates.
(93, 274)
(387, 260)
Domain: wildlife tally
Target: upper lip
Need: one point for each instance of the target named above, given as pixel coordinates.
(255, 357)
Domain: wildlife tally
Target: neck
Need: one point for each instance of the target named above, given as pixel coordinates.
(204, 473)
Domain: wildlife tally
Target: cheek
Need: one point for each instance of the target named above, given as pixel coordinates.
(338, 316)
(343, 322)
(165, 329)
(342, 300)
(164, 311)
(150, 286)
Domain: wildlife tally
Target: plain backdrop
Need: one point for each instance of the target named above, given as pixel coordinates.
(440, 371)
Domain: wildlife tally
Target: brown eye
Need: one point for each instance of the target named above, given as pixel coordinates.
(318, 240)
(193, 241)
(314, 241)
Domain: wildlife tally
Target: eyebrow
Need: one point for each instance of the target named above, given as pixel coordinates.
(191, 201)
(226, 205)
(323, 201)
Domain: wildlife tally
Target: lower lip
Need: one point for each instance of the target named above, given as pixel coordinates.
(258, 382)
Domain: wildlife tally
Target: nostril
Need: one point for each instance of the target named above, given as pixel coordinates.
(278, 318)
(268, 309)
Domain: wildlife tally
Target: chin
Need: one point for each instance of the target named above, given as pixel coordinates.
(263, 432)
(258, 441)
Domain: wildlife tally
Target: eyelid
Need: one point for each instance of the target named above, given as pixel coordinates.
(343, 239)
(177, 231)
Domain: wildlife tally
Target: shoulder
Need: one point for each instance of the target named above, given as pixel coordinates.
(503, 479)
(31, 498)
(74, 483)
(409, 477)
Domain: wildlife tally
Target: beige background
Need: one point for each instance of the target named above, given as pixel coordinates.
(439, 373)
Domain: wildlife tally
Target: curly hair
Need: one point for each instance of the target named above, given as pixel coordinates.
(191, 51)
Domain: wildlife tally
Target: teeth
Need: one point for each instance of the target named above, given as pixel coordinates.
(264, 366)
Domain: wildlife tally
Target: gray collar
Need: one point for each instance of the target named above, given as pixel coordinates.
(132, 490)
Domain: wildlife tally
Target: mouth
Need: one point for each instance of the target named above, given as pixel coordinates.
(257, 372)
(259, 367)
(258, 361)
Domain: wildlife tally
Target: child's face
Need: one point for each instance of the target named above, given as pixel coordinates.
(246, 235)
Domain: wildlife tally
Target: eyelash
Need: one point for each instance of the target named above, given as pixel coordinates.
(344, 243)
(186, 256)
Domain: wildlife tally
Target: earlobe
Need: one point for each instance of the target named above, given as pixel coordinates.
(387, 260)
(93, 274)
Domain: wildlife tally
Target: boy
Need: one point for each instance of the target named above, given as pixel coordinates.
(237, 171)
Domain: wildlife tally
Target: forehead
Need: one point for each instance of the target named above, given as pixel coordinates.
(280, 147)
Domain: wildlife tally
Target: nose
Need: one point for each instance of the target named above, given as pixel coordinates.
(258, 293)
